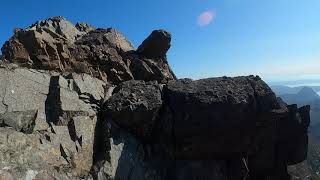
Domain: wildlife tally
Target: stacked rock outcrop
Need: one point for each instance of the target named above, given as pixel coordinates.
(79, 102)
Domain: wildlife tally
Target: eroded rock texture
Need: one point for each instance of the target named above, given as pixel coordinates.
(79, 102)
(56, 44)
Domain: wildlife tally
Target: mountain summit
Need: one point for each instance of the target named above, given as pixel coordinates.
(56, 44)
(79, 102)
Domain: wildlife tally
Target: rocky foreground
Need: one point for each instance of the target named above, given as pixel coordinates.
(79, 102)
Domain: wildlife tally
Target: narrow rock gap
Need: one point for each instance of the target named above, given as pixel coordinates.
(101, 145)
(52, 104)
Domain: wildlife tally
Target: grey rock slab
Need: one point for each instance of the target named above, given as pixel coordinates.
(63, 103)
(21, 149)
(84, 128)
(20, 120)
(89, 85)
(70, 102)
(25, 90)
(40, 121)
(127, 160)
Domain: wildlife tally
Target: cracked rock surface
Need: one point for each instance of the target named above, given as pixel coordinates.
(79, 102)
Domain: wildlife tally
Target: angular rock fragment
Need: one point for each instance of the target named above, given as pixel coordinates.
(58, 25)
(150, 70)
(87, 85)
(82, 130)
(62, 103)
(84, 27)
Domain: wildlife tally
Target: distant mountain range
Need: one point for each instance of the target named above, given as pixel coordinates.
(305, 95)
(302, 95)
(283, 89)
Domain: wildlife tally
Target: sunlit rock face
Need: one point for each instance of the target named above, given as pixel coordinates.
(79, 102)
(56, 44)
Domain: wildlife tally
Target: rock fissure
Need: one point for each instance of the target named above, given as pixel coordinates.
(79, 102)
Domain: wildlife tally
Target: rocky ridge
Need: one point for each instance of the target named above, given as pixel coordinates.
(79, 102)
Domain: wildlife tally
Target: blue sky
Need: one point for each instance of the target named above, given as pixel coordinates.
(276, 39)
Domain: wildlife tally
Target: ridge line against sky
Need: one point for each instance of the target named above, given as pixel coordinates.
(276, 39)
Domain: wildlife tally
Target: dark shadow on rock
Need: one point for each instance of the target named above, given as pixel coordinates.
(52, 110)
(101, 145)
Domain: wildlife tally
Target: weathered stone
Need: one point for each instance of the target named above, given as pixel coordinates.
(82, 130)
(15, 51)
(127, 160)
(58, 25)
(55, 44)
(106, 48)
(150, 70)
(84, 27)
(156, 45)
(40, 121)
(116, 40)
(216, 128)
(62, 103)
(75, 143)
(87, 85)
(21, 92)
(134, 105)
(21, 149)
(209, 112)
(23, 121)
(293, 135)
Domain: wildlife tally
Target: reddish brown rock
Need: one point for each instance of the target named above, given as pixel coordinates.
(56, 44)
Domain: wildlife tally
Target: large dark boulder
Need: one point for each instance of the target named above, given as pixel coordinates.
(134, 106)
(293, 134)
(156, 45)
(216, 117)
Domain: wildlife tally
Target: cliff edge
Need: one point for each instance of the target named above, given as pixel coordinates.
(79, 102)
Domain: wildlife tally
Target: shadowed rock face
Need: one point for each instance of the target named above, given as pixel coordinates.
(156, 45)
(210, 112)
(79, 102)
(135, 105)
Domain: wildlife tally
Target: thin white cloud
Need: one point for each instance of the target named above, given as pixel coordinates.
(205, 18)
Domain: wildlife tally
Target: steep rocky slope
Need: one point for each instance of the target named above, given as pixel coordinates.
(79, 102)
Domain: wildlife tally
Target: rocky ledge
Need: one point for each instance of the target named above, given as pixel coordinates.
(79, 102)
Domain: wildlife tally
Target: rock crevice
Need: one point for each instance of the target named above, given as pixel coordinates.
(79, 102)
